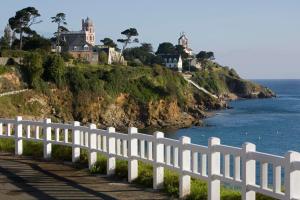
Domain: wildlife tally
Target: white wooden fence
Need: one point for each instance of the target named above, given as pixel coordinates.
(215, 164)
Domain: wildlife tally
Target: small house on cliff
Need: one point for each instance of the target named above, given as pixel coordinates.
(172, 61)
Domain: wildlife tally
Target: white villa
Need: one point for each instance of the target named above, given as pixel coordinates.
(172, 61)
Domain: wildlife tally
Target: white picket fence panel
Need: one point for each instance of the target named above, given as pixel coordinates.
(215, 163)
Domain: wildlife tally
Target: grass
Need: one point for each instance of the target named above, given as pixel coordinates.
(171, 181)
(18, 104)
(4, 69)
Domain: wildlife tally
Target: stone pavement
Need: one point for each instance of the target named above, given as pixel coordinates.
(22, 178)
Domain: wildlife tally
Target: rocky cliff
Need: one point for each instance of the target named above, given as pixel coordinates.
(126, 96)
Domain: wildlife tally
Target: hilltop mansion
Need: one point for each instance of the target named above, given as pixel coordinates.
(82, 45)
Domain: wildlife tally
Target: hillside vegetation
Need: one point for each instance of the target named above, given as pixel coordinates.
(226, 83)
(119, 96)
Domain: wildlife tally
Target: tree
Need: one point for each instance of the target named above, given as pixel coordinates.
(180, 51)
(143, 54)
(36, 42)
(23, 20)
(4, 43)
(203, 56)
(147, 47)
(55, 69)
(129, 34)
(34, 65)
(60, 20)
(109, 42)
(166, 48)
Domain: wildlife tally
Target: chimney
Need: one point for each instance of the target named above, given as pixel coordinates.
(82, 24)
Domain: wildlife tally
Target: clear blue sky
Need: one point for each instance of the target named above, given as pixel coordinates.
(260, 39)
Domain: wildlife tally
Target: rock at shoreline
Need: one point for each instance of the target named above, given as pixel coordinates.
(145, 97)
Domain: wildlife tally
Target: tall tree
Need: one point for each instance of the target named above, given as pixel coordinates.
(166, 48)
(204, 56)
(109, 42)
(60, 20)
(129, 34)
(147, 47)
(23, 20)
(180, 50)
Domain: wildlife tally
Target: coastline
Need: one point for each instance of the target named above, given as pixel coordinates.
(212, 113)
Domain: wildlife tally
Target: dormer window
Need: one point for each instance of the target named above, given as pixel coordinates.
(86, 47)
(75, 48)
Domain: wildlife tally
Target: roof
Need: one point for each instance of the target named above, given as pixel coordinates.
(72, 32)
(182, 36)
(88, 21)
(172, 56)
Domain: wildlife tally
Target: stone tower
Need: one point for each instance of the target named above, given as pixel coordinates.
(89, 29)
(183, 40)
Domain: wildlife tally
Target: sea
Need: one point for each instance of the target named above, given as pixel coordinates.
(272, 124)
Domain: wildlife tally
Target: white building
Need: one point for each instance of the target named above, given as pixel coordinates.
(172, 61)
(113, 56)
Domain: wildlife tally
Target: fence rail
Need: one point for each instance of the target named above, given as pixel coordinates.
(215, 163)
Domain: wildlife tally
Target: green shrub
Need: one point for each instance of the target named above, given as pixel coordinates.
(7, 145)
(55, 69)
(103, 58)
(34, 66)
(66, 56)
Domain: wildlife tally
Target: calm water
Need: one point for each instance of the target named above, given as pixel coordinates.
(272, 124)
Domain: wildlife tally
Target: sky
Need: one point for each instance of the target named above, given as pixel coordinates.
(260, 39)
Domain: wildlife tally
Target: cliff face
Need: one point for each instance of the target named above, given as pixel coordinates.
(122, 97)
(228, 85)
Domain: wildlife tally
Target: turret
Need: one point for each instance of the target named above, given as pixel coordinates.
(88, 28)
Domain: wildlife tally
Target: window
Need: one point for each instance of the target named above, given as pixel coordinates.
(86, 47)
(75, 48)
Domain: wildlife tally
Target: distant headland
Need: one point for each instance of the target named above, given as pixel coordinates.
(71, 77)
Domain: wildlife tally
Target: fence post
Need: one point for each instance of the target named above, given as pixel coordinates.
(18, 137)
(248, 172)
(75, 142)
(133, 151)
(292, 177)
(47, 139)
(158, 170)
(92, 146)
(111, 150)
(213, 168)
(185, 165)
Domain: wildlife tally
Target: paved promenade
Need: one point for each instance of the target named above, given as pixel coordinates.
(23, 178)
